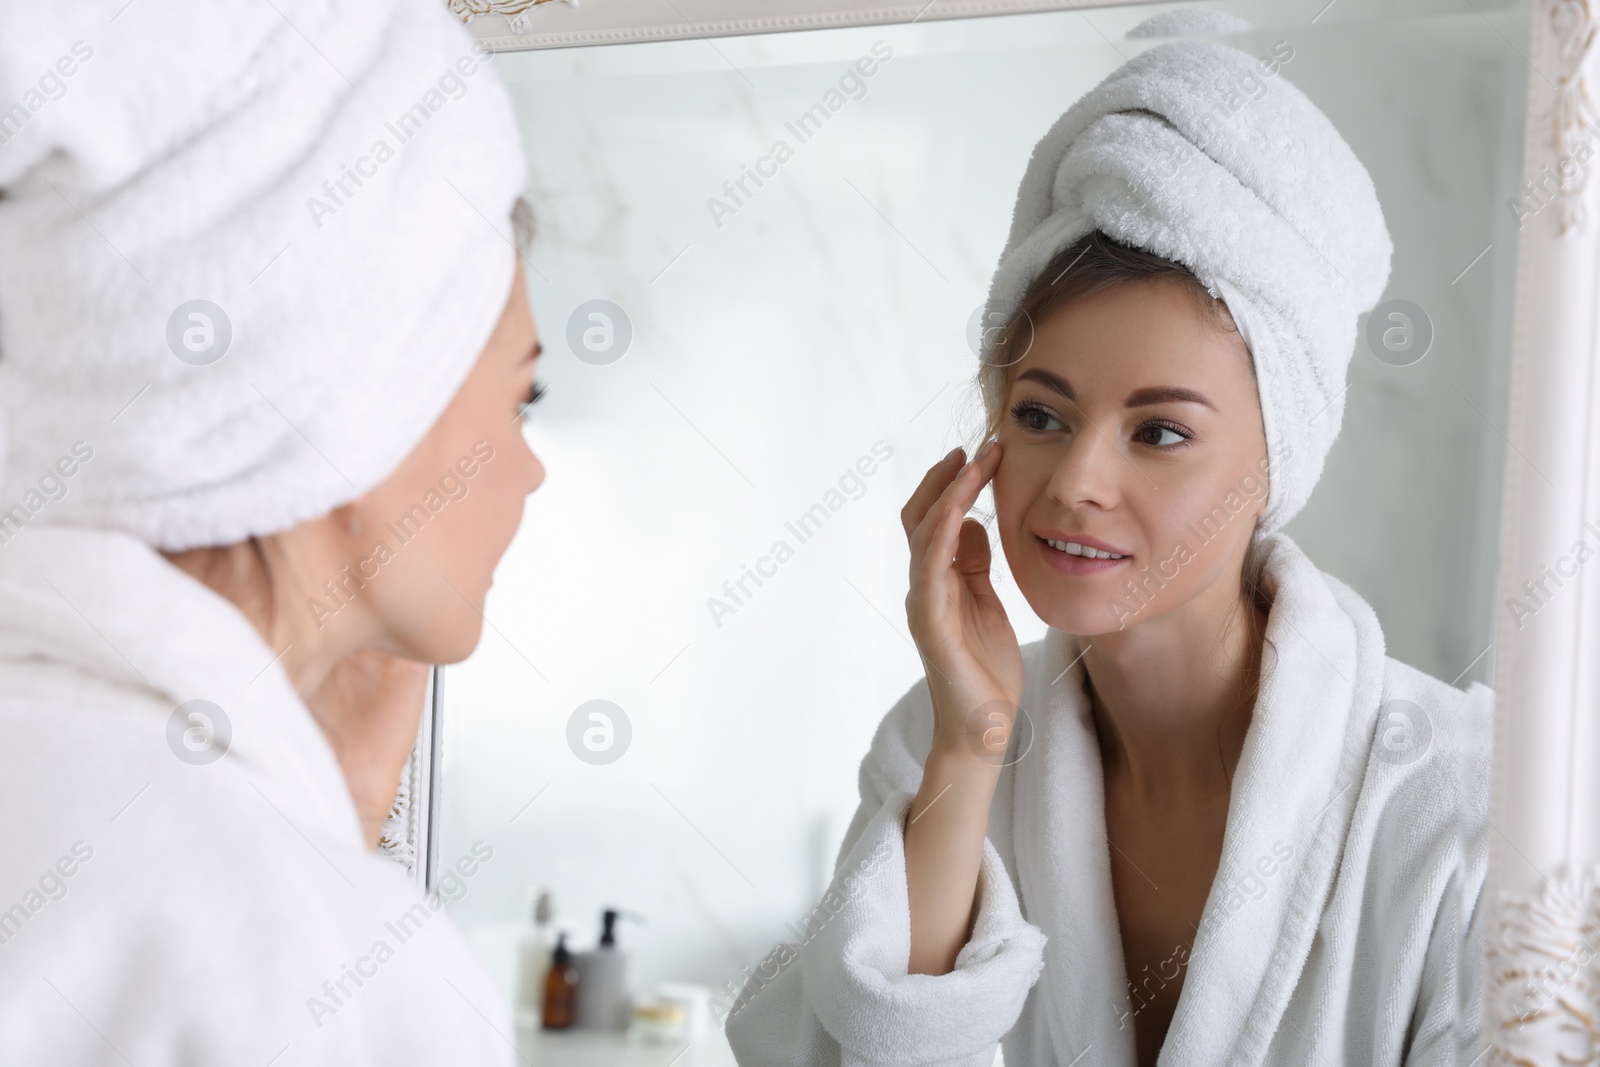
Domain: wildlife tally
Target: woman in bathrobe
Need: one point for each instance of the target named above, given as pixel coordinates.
(1205, 820)
(259, 465)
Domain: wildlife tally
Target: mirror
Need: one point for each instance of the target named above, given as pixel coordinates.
(756, 277)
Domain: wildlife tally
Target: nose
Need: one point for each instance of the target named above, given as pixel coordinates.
(1088, 469)
(535, 472)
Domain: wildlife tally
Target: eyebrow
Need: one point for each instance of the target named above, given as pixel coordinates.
(1156, 394)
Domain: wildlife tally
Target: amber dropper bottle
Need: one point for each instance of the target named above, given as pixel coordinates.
(560, 987)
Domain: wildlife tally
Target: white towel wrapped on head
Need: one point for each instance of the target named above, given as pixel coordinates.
(333, 179)
(1208, 156)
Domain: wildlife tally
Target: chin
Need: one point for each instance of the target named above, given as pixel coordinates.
(461, 642)
(450, 637)
(1085, 611)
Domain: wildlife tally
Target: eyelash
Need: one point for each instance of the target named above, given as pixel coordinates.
(1021, 411)
(535, 391)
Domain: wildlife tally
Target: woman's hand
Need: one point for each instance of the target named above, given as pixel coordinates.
(975, 677)
(968, 647)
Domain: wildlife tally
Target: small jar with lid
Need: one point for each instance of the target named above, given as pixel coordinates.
(657, 1022)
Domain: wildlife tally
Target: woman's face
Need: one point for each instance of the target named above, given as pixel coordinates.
(1130, 424)
(449, 511)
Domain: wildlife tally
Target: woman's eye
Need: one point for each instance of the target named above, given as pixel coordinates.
(1157, 429)
(1033, 418)
(535, 391)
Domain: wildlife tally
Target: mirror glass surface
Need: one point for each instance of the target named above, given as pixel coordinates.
(805, 342)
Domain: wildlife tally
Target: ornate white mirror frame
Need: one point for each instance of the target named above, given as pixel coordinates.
(1539, 916)
(410, 834)
(1543, 895)
(506, 25)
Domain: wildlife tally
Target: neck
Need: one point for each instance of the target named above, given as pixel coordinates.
(266, 586)
(367, 703)
(1172, 702)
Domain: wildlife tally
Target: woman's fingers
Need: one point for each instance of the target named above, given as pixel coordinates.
(933, 544)
(973, 555)
(933, 484)
(934, 541)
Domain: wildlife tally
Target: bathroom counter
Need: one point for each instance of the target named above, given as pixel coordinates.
(543, 1048)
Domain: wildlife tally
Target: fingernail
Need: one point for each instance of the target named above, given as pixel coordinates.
(956, 451)
(983, 453)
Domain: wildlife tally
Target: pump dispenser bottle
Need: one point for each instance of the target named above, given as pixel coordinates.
(603, 981)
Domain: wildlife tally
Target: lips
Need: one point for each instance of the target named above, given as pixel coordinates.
(1078, 565)
(1079, 544)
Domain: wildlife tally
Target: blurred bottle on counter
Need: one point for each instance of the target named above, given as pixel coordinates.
(603, 1002)
(561, 984)
(534, 952)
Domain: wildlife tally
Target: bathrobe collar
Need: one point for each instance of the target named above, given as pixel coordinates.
(107, 607)
(1293, 792)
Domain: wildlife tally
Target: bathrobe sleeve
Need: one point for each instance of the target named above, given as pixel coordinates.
(843, 995)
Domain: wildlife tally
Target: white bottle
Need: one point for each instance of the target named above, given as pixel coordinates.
(603, 1002)
(533, 963)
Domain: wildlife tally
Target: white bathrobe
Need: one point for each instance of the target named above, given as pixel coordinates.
(156, 911)
(1333, 932)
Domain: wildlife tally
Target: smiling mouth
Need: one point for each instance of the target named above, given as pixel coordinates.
(1072, 548)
